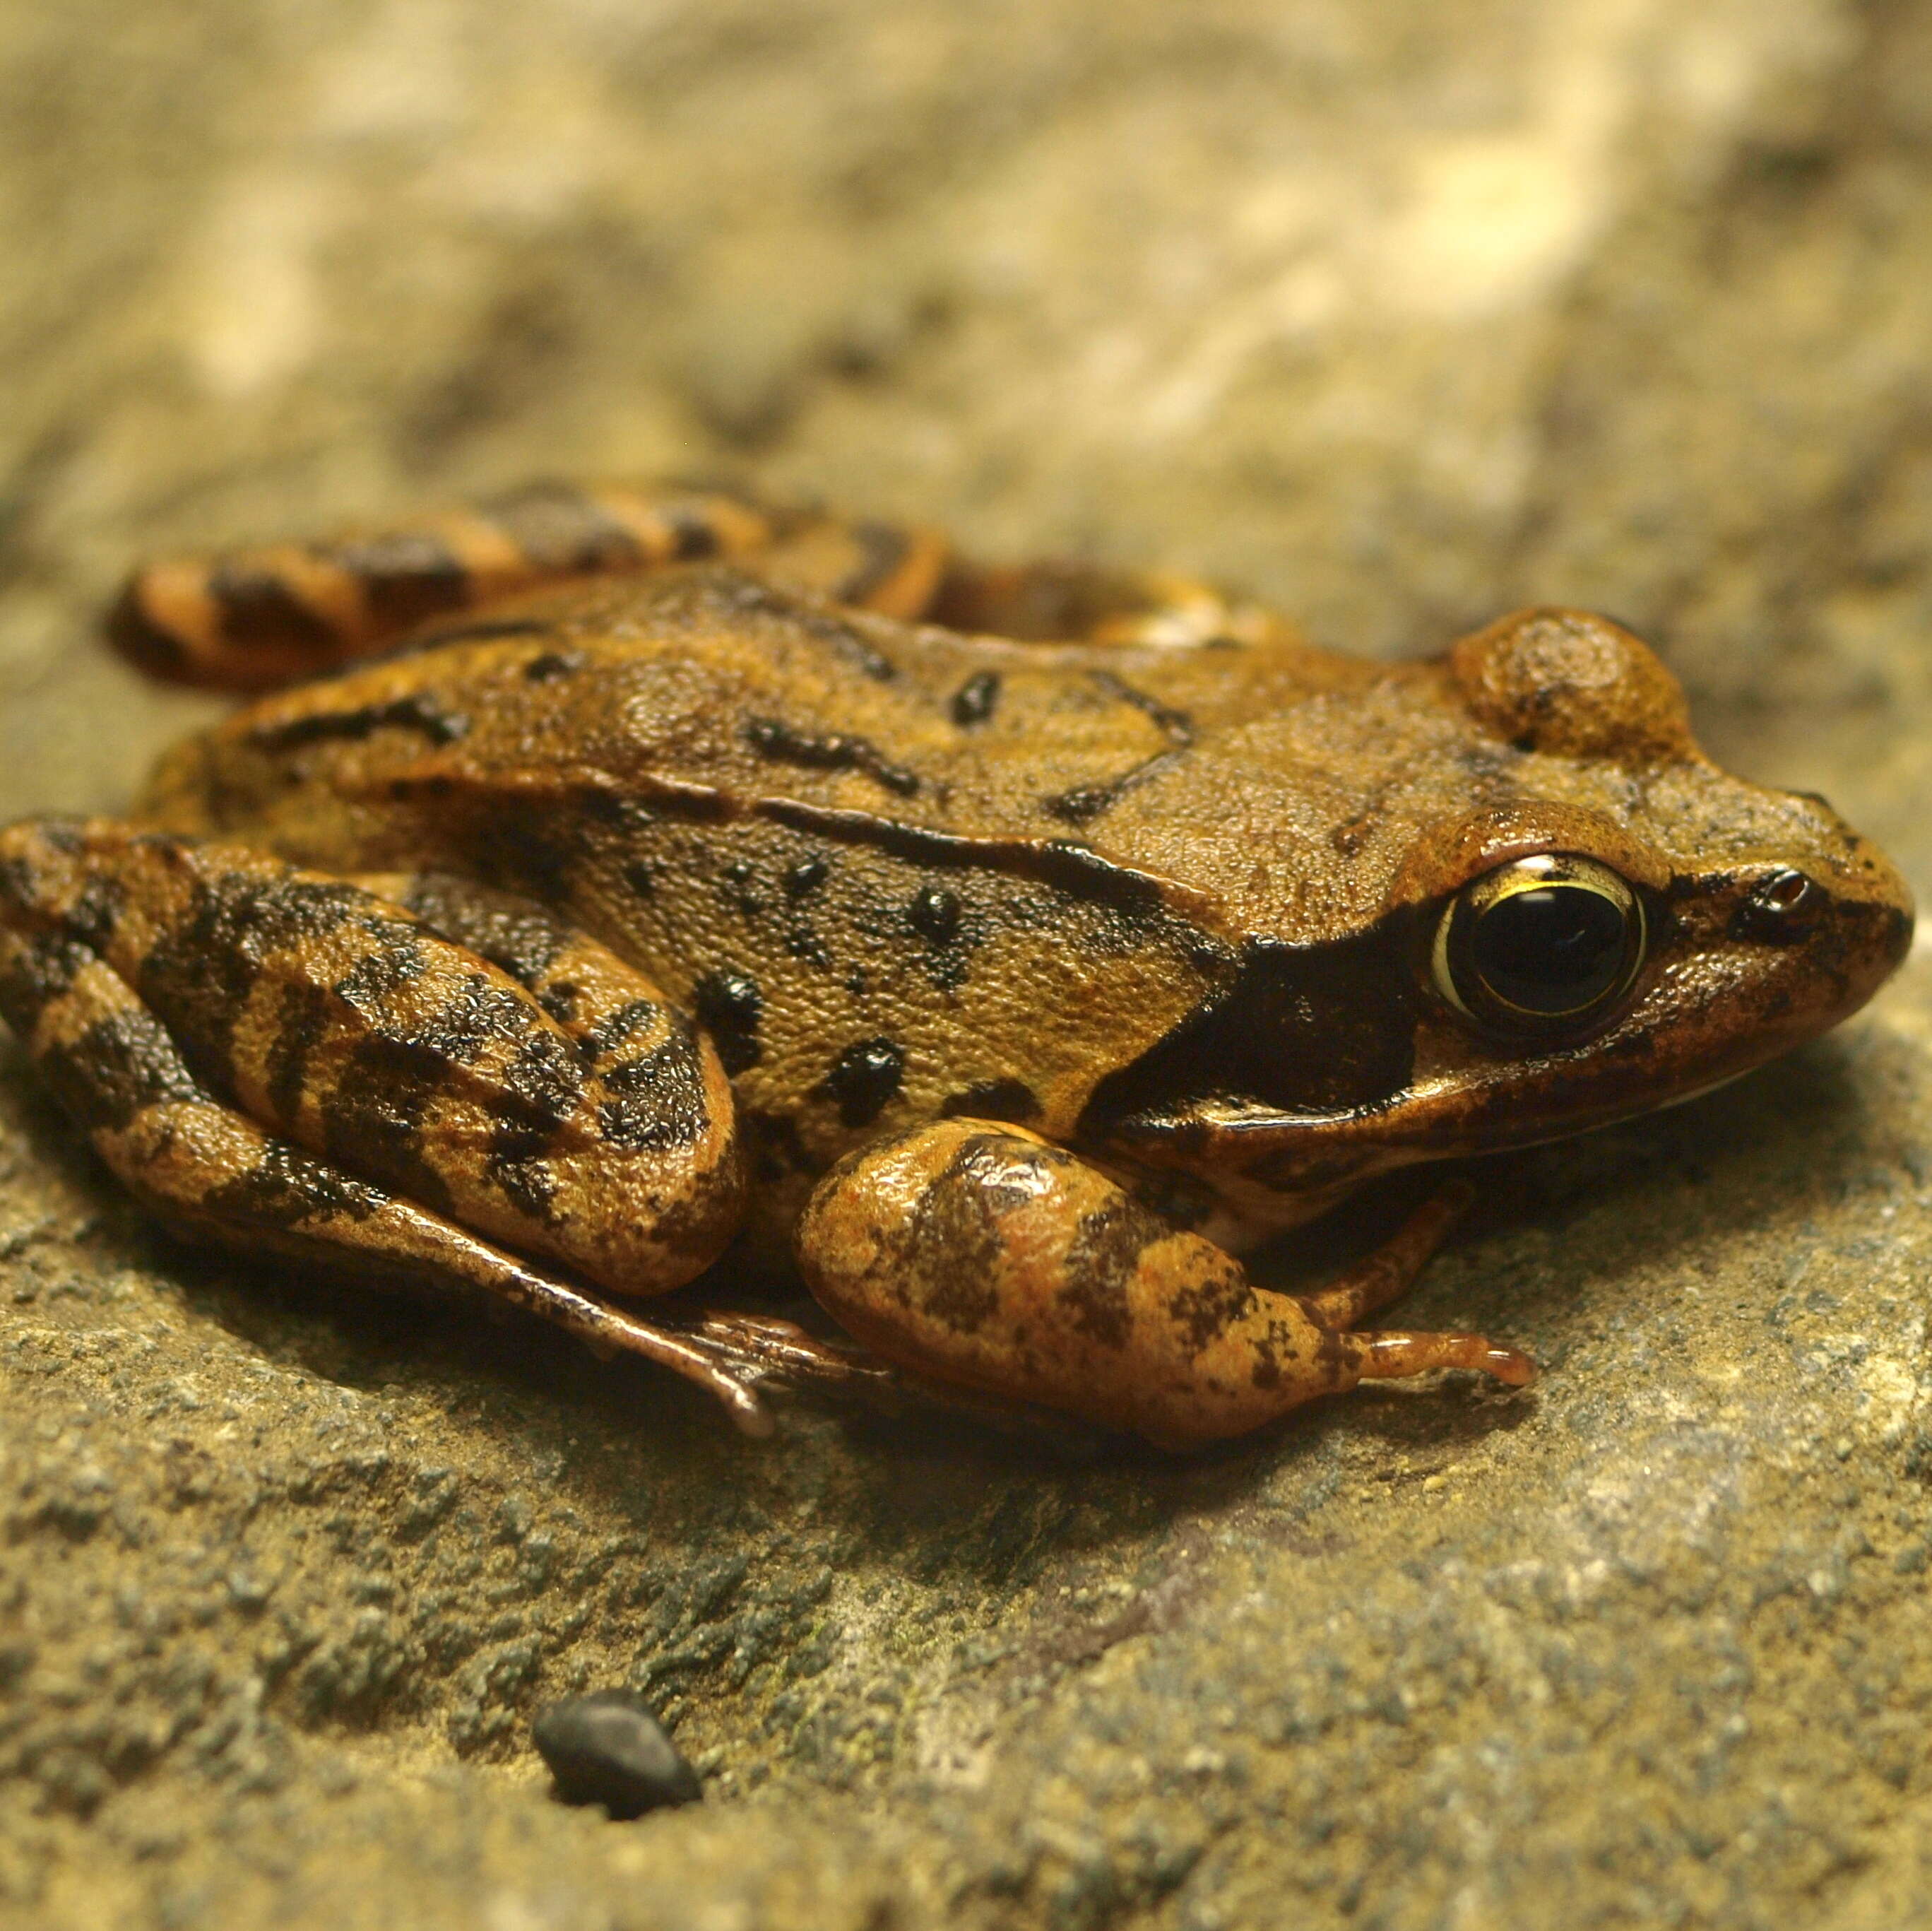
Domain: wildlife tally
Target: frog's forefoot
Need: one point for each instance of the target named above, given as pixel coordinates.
(978, 1256)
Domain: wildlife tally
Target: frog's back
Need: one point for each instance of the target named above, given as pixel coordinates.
(875, 859)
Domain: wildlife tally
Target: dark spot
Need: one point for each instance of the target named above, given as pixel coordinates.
(117, 1066)
(608, 1748)
(728, 1005)
(973, 701)
(514, 1165)
(638, 876)
(258, 608)
(1099, 1264)
(34, 970)
(738, 876)
(560, 532)
(518, 938)
(542, 1085)
(301, 1019)
(802, 942)
(1077, 806)
(948, 1259)
(832, 751)
(397, 957)
(692, 535)
(286, 1188)
(138, 636)
(657, 1101)
(1012, 1100)
(415, 713)
(407, 576)
(805, 877)
(550, 664)
(372, 1118)
(935, 915)
(1206, 1310)
(198, 974)
(862, 1078)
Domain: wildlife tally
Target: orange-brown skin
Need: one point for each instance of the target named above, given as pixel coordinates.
(1046, 967)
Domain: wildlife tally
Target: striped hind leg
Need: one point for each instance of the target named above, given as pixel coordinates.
(254, 618)
(288, 1064)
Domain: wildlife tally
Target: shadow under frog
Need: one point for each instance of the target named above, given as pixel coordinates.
(1009, 948)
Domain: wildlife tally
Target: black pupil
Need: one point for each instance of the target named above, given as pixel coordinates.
(1554, 950)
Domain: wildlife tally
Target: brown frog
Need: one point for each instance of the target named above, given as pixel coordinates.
(1009, 946)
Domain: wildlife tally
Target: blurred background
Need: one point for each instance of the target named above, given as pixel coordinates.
(1399, 313)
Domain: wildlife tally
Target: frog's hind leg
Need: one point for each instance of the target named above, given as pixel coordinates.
(289, 1063)
(978, 1256)
(254, 618)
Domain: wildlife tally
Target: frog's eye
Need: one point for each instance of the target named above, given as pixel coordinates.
(1540, 943)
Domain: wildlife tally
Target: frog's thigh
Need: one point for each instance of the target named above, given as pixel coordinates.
(588, 1124)
(983, 1257)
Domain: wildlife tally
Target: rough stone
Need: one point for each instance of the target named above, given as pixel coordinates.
(1401, 315)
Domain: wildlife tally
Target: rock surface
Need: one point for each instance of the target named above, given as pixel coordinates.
(1399, 314)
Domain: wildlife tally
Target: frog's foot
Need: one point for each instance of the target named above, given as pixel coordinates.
(293, 1063)
(976, 1255)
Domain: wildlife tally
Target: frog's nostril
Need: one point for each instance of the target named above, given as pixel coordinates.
(1785, 892)
(1781, 909)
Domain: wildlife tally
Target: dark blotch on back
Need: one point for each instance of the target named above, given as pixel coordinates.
(830, 751)
(415, 713)
(935, 915)
(973, 702)
(805, 877)
(728, 1005)
(863, 1078)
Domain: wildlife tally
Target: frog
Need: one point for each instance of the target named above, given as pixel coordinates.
(605, 888)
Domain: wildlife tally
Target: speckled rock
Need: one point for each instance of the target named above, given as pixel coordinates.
(1400, 315)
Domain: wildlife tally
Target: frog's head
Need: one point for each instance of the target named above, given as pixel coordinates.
(1566, 915)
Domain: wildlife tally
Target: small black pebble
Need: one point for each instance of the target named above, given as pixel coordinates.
(608, 1748)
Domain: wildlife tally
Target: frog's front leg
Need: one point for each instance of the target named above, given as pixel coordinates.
(291, 1063)
(978, 1256)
